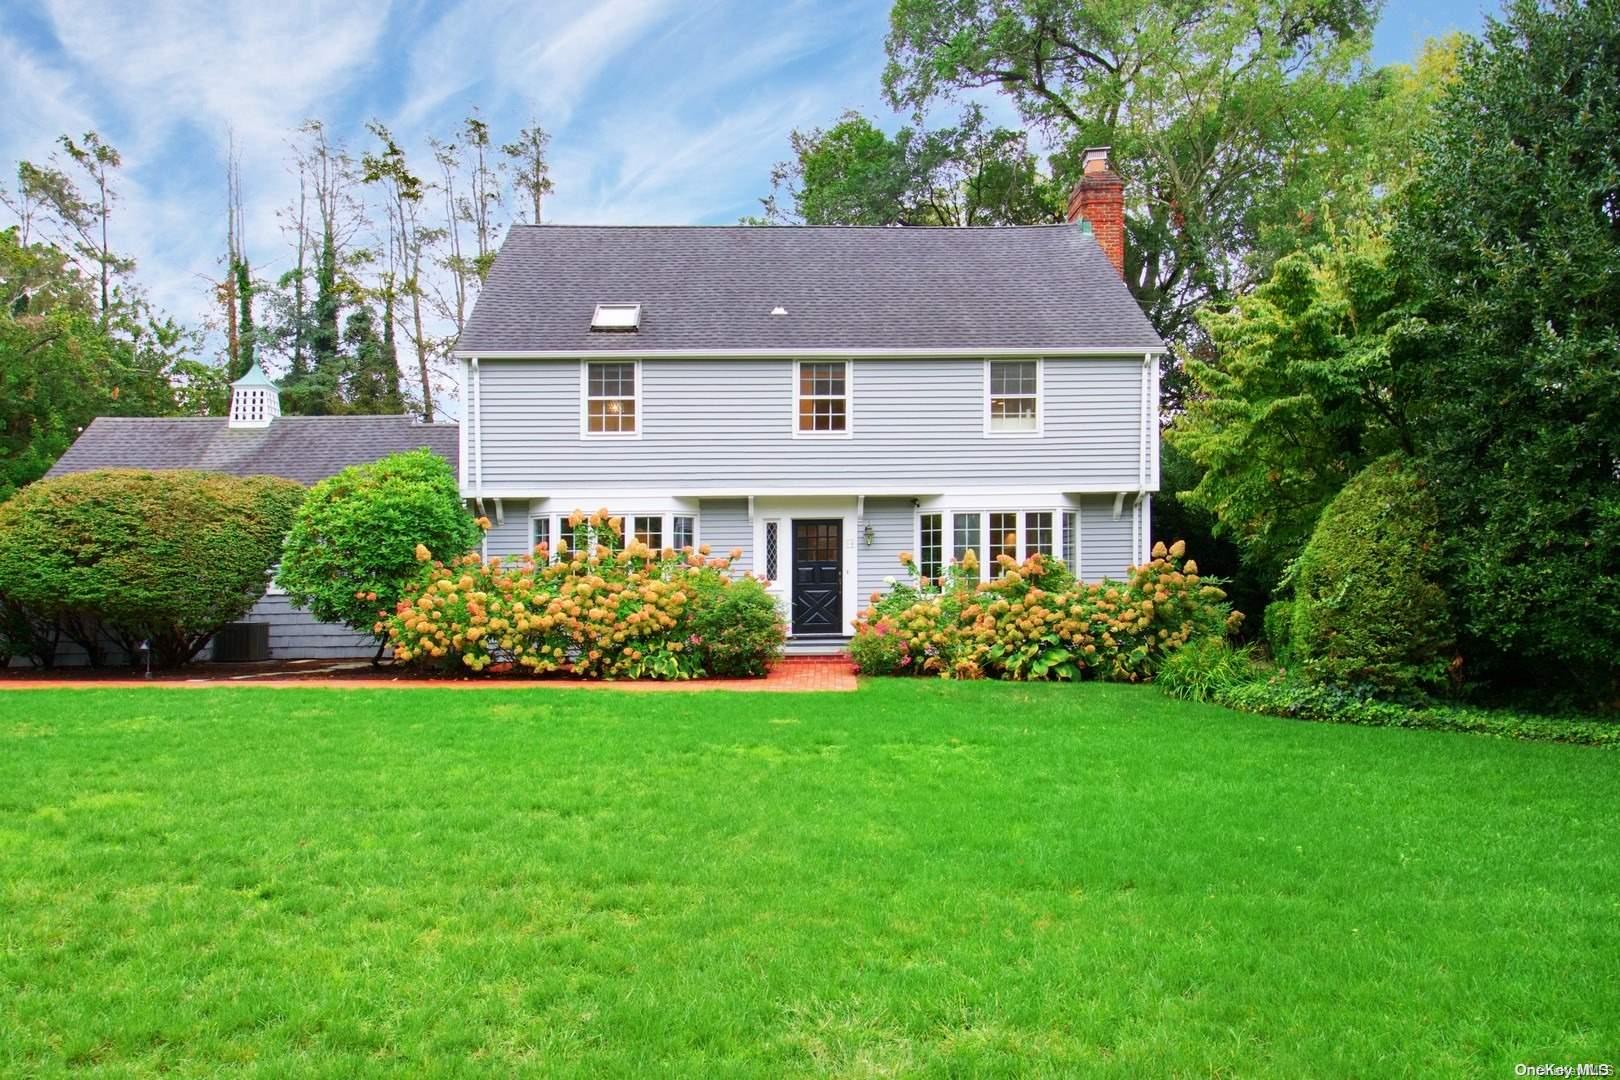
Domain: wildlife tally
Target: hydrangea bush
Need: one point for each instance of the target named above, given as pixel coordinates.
(1035, 621)
(595, 605)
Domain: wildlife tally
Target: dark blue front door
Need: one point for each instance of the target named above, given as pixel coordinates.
(818, 597)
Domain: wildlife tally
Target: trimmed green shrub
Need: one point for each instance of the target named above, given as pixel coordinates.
(1293, 697)
(1277, 627)
(735, 627)
(1367, 604)
(168, 557)
(1203, 668)
(1034, 621)
(352, 548)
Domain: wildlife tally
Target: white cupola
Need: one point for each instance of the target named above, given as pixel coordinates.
(255, 401)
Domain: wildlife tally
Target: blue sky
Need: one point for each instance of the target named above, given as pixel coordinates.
(661, 110)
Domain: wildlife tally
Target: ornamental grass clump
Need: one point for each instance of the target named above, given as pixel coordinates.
(1035, 621)
(596, 606)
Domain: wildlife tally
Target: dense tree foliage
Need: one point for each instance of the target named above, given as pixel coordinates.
(165, 557)
(1510, 238)
(353, 547)
(1295, 398)
(969, 174)
(1227, 121)
(63, 361)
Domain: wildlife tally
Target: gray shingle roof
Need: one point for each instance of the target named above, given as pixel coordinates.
(302, 448)
(713, 287)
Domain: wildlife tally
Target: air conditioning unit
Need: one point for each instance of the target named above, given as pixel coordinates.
(239, 642)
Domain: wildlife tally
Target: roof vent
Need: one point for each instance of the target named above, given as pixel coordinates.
(617, 317)
(778, 310)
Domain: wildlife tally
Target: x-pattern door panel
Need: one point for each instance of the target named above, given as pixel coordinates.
(818, 597)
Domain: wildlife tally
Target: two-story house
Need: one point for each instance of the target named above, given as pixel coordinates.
(822, 398)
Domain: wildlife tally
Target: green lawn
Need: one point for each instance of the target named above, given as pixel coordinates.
(920, 878)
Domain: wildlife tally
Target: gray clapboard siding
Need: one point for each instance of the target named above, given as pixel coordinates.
(914, 422)
(723, 524)
(296, 635)
(1105, 542)
(510, 536)
(894, 530)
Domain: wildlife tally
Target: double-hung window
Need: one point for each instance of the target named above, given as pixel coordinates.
(822, 398)
(1013, 397)
(612, 397)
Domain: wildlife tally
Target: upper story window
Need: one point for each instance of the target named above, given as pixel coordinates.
(612, 397)
(823, 398)
(1012, 396)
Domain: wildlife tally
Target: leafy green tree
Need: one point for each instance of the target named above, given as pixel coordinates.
(352, 550)
(531, 173)
(166, 557)
(410, 244)
(62, 364)
(1510, 237)
(1294, 398)
(970, 174)
(1225, 119)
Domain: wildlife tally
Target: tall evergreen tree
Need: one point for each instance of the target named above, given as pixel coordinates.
(372, 382)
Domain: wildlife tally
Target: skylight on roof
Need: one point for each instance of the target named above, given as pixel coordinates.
(616, 317)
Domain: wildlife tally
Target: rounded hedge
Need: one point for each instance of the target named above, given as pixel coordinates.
(166, 556)
(1368, 608)
(352, 548)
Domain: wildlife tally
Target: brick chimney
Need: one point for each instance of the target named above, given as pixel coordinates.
(1099, 200)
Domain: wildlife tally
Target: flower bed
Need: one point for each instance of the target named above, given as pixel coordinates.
(1035, 621)
(596, 606)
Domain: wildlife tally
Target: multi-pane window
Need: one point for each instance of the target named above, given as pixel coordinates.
(649, 531)
(1017, 534)
(1014, 395)
(931, 546)
(1037, 532)
(685, 529)
(1003, 540)
(542, 533)
(771, 532)
(823, 396)
(610, 398)
(965, 536)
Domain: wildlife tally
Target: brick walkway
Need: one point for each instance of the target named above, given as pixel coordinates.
(793, 675)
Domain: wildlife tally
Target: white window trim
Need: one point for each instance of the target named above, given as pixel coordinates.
(982, 551)
(849, 401)
(585, 432)
(1040, 400)
(559, 524)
